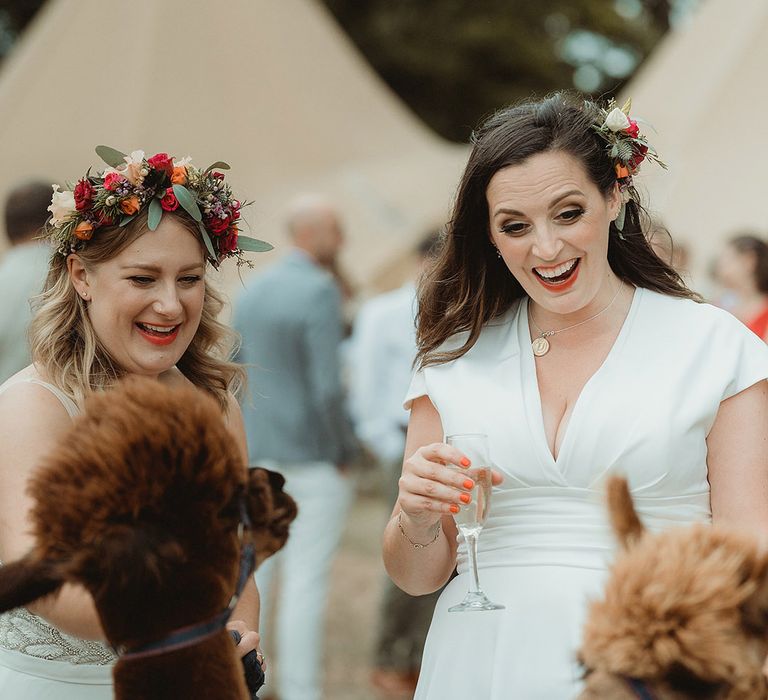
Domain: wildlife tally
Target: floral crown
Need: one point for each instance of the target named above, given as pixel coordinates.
(132, 182)
(626, 148)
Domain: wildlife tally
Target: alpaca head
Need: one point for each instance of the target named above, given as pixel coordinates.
(141, 503)
(684, 611)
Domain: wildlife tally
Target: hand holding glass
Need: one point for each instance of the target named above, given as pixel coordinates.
(471, 517)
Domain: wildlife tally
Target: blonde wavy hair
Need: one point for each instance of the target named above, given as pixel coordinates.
(67, 350)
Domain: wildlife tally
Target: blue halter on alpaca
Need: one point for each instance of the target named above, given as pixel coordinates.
(640, 689)
(194, 634)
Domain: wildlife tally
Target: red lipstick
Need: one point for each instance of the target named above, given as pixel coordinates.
(560, 286)
(158, 338)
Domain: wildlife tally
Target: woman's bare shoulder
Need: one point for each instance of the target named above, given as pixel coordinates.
(24, 404)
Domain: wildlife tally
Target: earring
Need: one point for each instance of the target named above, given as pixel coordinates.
(85, 296)
(498, 252)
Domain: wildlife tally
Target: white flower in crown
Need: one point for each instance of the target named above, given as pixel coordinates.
(616, 120)
(183, 163)
(133, 167)
(62, 206)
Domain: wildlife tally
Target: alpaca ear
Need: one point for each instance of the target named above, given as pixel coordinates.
(259, 496)
(276, 480)
(626, 524)
(26, 580)
(271, 511)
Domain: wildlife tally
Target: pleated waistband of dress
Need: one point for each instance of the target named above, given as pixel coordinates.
(567, 526)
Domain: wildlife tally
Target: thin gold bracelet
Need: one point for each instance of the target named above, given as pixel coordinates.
(416, 545)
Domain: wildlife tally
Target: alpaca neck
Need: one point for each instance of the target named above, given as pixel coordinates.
(206, 670)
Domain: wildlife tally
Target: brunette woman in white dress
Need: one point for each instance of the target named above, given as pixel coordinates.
(549, 324)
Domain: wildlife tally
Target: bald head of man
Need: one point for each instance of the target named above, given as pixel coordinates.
(315, 227)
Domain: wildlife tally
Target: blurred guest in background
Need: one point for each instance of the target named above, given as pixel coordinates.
(22, 271)
(381, 357)
(742, 270)
(290, 321)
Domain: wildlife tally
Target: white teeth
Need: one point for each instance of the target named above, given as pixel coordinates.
(557, 271)
(158, 329)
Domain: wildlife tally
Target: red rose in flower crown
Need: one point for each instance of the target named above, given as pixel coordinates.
(132, 184)
(83, 193)
(169, 201)
(218, 225)
(229, 242)
(103, 219)
(641, 150)
(633, 129)
(112, 180)
(162, 162)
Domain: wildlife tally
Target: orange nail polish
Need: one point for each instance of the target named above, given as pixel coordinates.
(465, 497)
(464, 462)
(468, 484)
(454, 508)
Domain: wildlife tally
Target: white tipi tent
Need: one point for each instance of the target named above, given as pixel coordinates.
(274, 88)
(705, 91)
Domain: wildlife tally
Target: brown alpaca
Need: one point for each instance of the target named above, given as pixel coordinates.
(685, 614)
(142, 504)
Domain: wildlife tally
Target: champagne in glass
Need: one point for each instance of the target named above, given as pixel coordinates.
(475, 513)
(472, 516)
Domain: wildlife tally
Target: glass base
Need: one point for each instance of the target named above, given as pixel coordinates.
(475, 601)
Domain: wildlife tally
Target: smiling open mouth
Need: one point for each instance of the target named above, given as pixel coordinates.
(158, 331)
(561, 274)
(158, 335)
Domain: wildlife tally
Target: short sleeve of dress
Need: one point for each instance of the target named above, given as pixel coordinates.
(750, 362)
(744, 355)
(417, 388)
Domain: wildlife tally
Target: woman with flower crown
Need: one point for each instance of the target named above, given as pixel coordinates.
(126, 294)
(549, 324)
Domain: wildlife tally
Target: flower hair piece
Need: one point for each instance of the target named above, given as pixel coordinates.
(132, 182)
(627, 148)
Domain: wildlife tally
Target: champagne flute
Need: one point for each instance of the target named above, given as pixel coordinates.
(471, 517)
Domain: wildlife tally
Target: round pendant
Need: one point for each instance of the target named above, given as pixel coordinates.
(540, 346)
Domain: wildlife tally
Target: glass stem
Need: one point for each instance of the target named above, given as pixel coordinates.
(471, 538)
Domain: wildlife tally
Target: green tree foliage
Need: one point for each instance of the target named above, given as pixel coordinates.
(14, 16)
(454, 61)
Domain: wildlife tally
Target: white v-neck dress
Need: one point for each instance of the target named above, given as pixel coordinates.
(545, 549)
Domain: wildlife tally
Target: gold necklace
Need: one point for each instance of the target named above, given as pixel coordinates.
(540, 345)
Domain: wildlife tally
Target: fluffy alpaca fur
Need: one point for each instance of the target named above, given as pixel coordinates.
(140, 503)
(685, 611)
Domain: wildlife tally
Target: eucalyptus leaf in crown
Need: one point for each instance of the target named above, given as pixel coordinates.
(132, 182)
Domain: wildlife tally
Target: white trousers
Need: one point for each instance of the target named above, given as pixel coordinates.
(323, 496)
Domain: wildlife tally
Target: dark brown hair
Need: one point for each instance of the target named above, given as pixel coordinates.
(749, 244)
(26, 210)
(468, 285)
